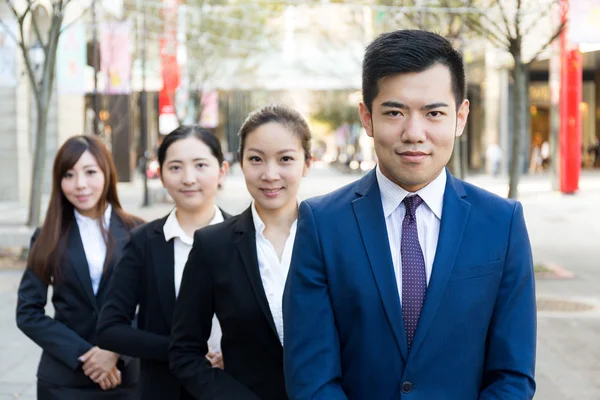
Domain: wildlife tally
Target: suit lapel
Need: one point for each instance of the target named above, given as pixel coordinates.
(79, 262)
(246, 247)
(371, 222)
(454, 219)
(119, 235)
(163, 260)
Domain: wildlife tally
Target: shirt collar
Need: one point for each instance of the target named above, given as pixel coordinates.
(259, 225)
(82, 219)
(172, 229)
(392, 195)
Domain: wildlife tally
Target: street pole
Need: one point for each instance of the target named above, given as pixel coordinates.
(95, 100)
(143, 114)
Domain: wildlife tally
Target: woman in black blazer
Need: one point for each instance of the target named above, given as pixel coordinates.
(238, 269)
(84, 231)
(149, 273)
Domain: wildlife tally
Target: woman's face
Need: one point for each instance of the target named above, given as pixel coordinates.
(192, 174)
(83, 184)
(273, 164)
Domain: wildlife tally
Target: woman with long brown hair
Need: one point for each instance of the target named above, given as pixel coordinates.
(74, 251)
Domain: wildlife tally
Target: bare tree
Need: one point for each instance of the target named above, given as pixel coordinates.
(509, 26)
(29, 17)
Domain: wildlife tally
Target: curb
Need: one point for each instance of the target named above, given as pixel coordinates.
(556, 272)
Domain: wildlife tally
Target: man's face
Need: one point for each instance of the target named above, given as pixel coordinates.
(413, 123)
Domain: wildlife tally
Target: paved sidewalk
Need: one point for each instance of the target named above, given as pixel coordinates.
(564, 230)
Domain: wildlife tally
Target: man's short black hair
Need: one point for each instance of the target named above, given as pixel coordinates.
(406, 51)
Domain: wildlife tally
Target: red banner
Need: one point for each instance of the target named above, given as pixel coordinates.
(571, 78)
(170, 68)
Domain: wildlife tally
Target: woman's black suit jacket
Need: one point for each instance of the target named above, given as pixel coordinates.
(72, 331)
(222, 276)
(145, 276)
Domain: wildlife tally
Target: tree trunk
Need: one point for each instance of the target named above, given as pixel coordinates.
(455, 163)
(43, 94)
(520, 110)
(39, 161)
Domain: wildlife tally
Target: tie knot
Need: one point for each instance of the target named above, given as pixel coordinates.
(412, 203)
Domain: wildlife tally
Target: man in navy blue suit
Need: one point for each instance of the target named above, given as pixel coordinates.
(410, 283)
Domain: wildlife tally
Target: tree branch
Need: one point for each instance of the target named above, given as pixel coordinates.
(480, 29)
(542, 15)
(518, 19)
(548, 43)
(26, 58)
(493, 23)
(8, 31)
(67, 26)
(504, 17)
(13, 9)
(36, 27)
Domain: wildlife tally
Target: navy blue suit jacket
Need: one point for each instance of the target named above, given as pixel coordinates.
(344, 333)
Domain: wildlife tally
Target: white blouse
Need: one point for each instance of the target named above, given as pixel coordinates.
(94, 244)
(273, 272)
(182, 245)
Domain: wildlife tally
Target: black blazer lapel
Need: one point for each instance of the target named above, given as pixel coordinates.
(119, 234)
(371, 222)
(162, 254)
(246, 246)
(226, 215)
(79, 262)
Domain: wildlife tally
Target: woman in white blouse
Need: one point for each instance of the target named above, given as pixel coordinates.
(238, 269)
(149, 274)
(75, 250)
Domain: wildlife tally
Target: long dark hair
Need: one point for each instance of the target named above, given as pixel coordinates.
(48, 251)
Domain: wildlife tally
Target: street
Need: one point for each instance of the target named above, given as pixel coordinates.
(564, 231)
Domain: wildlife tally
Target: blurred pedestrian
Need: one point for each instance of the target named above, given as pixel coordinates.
(545, 154)
(149, 274)
(75, 251)
(494, 157)
(238, 269)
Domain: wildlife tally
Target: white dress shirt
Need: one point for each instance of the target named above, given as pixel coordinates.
(182, 245)
(429, 215)
(94, 244)
(273, 272)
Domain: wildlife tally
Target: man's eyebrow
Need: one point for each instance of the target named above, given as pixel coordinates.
(394, 104)
(397, 104)
(434, 105)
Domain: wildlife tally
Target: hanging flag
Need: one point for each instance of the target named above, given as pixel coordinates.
(115, 57)
(71, 60)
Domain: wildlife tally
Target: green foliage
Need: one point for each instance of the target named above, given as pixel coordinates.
(334, 109)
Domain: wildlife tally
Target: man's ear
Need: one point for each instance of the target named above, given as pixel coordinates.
(461, 117)
(366, 119)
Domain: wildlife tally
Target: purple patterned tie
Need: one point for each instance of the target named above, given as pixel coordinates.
(414, 281)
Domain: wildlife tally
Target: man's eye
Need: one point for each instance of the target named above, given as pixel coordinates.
(393, 113)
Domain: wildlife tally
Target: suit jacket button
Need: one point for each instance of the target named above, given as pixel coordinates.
(407, 387)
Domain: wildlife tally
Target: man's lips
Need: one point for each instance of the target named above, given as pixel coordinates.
(413, 156)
